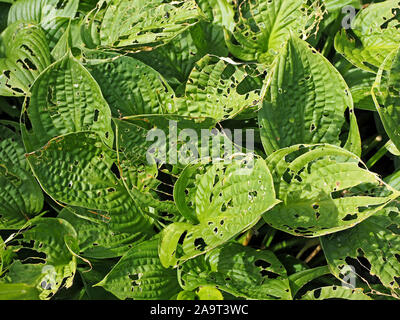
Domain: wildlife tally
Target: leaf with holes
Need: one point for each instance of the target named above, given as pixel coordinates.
(41, 11)
(374, 242)
(263, 26)
(323, 190)
(56, 241)
(241, 271)
(139, 275)
(374, 34)
(336, 292)
(96, 238)
(27, 54)
(229, 198)
(146, 23)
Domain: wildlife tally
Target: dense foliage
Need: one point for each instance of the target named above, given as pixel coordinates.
(92, 208)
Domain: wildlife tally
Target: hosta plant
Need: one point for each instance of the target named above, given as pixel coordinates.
(200, 149)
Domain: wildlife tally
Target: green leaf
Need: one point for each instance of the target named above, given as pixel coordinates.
(386, 96)
(241, 271)
(176, 59)
(229, 198)
(139, 275)
(146, 23)
(26, 56)
(334, 5)
(323, 190)
(263, 26)
(57, 240)
(186, 295)
(306, 102)
(96, 238)
(18, 291)
(214, 89)
(376, 240)
(129, 86)
(99, 269)
(65, 99)
(360, 83)
(41, 10)
(374, 34)
(335, 292)
(219, 12)
(209, 293)
(301, 278)
(79, 170)
(21, 197)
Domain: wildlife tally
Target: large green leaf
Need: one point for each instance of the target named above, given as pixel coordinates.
(26, 55)
(146, 23)
(229, 198)
(306, 102)
(79, 170)
(374, 34)
(42, 10)
(263, 26)
(65, 98)
(57, 240)
(140, 275)
(323, 190)
(96, 238)
(386, 96)
(376, 239)
(129, 86)
(241, 271)
(21, 197)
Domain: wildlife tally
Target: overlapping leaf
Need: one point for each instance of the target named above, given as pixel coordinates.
(176, 59)
(386, 95)
(228, 199)
(65, 98)
(26, 56)
(263, 26)
(96, 238)
(323, 190)
(57, 240)
(140, 275)
(146, 23)
(306, 102)
(336, 292)
(129, 86)
(376, 240)
(21, 197)
(241, 271)
(374, 34)
(41, 11)
(79, 170)
(217, 89)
